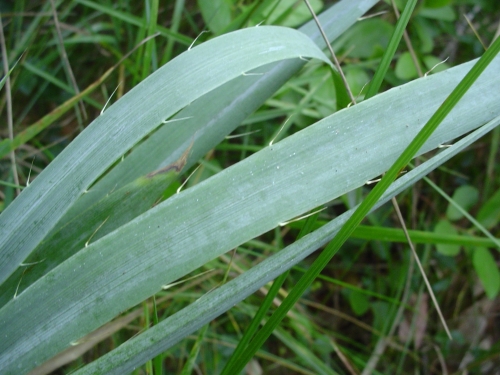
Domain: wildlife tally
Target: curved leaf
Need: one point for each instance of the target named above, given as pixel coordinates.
(169, 332)
(187, 77)
(303, 171)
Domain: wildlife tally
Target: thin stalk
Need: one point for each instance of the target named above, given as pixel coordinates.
(265, 305)
(334, 57)
(65, 60)
(10, 122)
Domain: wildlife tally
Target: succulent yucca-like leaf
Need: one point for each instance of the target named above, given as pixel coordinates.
(169, 332)
(189, 76)
(316, 165)
(311, 167)
(203, 124)
(25, 223)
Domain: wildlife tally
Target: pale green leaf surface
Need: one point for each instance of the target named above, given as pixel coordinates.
(327, 159)
(98, 220)
(187, 77)
(210, 118)
(414, 147)
(206, 122)
(219, 112)
(138, 350)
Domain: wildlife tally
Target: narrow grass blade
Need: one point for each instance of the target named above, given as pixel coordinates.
(31, 131)
(4, 79)
(134, 20)
(346, 230)
(150, 47)
(397, 235)
(265, 305)
(389, 52)
(193, 355)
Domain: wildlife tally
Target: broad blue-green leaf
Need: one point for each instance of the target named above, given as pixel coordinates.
(203, 124)
(311, 167)
(170, 331)
(101, 218)
(184, 79)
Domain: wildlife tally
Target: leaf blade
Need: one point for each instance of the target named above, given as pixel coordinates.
(30, 217)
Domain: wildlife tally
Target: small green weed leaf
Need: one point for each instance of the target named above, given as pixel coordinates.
(489, 214)
(293, 13)
(425, 33)
(357, 79)
(487, 270)
(432, 62)
(381, 311)
(359, 302)
(444, 227)
(436, 3)
(366, 38)
(216, 14)
(405, 68)
(465, 196)
(159, 338)
(445, 13)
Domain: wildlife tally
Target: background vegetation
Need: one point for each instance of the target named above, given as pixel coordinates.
(370, 301)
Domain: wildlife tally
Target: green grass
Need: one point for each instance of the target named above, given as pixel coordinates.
(98, 239)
